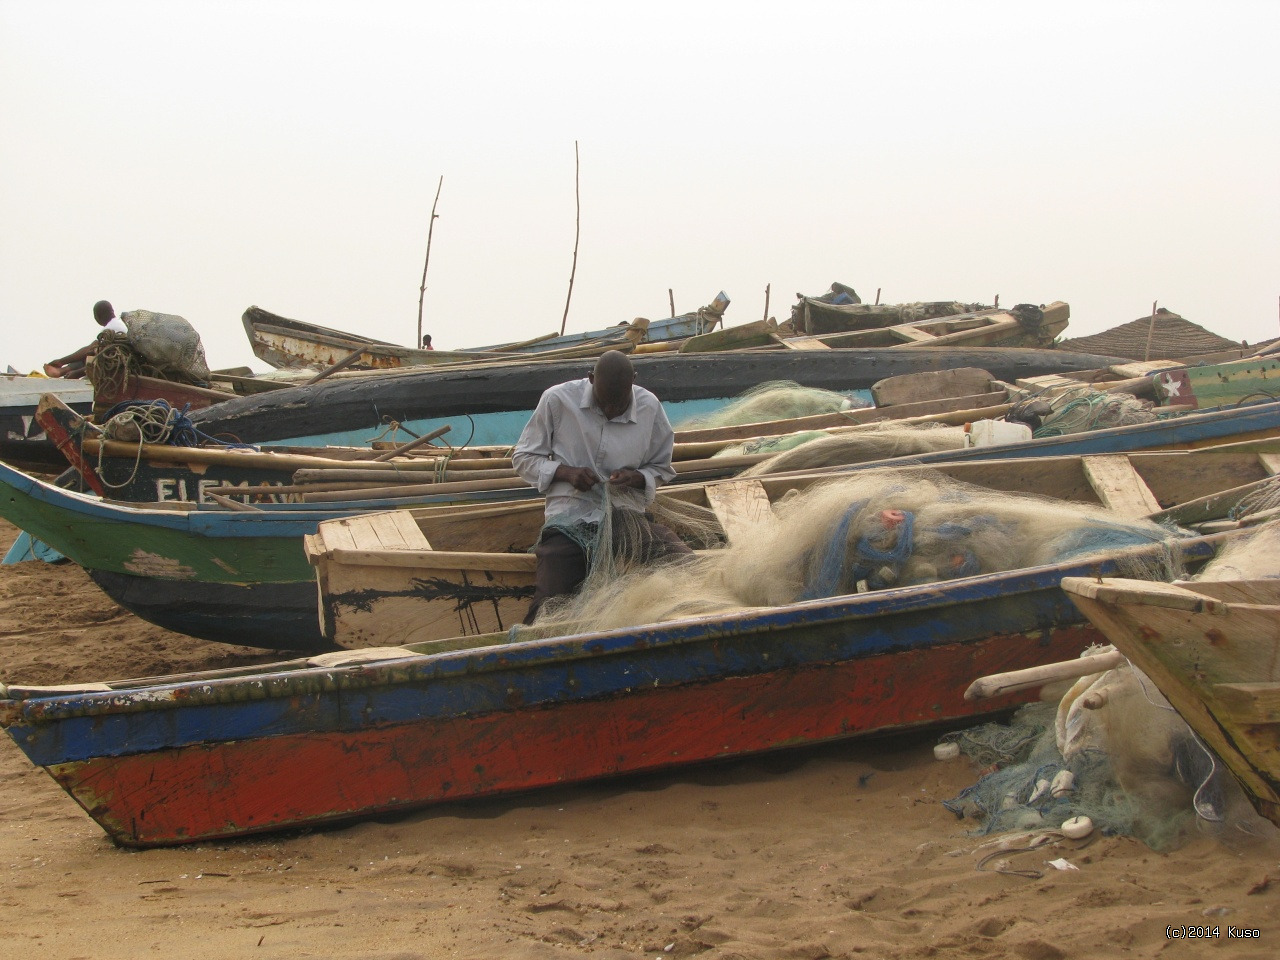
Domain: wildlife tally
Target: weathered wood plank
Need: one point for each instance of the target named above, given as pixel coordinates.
(931, 385)
(1119, 486)
(739, 505)
(804, 343)
(1250, 702)
(397, 530)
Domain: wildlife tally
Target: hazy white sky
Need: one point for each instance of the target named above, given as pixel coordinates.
(200, 157)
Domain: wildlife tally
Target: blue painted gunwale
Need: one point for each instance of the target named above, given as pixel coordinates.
(205, 520)
(1203, 425)
(295, 697)
(668, 328)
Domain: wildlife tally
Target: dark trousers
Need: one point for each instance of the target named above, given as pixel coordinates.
(562, 564)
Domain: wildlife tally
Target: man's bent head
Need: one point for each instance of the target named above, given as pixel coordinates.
(611, 383)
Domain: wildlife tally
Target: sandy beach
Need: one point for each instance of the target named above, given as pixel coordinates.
(838, 851)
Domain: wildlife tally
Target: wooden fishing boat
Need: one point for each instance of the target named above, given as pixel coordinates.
(20, 432)
(225, 575)
(180, 565)
(1216, 385)
(1213, 649)
(138, 472)
(495, 401)
(1025, 325)
(199, 757)
(415, 575)
(286, 343)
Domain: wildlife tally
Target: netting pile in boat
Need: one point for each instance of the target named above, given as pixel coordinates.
(878, 529)
(1111, 749)
(776, 400)
(156, 345)
(880, 441)
(1085, 409)
(1251, 556)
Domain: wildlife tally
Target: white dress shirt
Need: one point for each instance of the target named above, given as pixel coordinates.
(568, 428)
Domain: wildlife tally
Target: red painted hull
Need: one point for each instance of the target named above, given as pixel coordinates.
(226, 789)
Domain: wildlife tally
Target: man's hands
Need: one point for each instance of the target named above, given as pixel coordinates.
(626, 477)
(584, 478)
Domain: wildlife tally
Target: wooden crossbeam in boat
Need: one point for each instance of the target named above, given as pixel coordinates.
(1270, 462)
(1050, 381)
(803, 343)
(1149, 594)
(913, 334)
(392, 530)
(1251, 702)
(1119, 486)
(1143, 368)
(739, 505)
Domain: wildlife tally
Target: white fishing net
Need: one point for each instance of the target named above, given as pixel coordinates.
(878, 529)
(875, 442)
(1131, 763)
(776, 400)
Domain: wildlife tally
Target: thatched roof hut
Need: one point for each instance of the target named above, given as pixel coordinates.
(1173, 338)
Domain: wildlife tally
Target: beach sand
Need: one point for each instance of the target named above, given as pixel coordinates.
(838, 851)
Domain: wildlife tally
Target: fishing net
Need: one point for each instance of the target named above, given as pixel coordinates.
(1111, 749)
(168, 343)
(879, 529)
(776, 400)
(1083, 409)
(1251, 556)
(1266, 497)
(874, 442)
(768, 446)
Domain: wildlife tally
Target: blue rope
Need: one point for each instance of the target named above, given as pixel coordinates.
(867, 559)
(182, 432)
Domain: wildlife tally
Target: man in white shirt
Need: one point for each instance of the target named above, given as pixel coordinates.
(584, 436)
(72, 366)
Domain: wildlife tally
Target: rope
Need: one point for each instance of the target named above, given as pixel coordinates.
(113, 365)
(1264, 498)
(150, 421)
(1083, 409)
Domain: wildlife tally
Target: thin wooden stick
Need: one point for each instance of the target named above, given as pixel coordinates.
(877, 303)
(766, 300)
(1151, 328)
(426, 438)
(232, 504)
(422, 290)
(342, 364)
(671, 298)
(577, 227)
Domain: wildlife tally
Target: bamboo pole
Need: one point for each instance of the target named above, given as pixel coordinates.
(671, 299)
(766, 300)
(422, 290)
(384, 476)
(577, 228)
(1151, 328)
(416, 442)
(342, 364)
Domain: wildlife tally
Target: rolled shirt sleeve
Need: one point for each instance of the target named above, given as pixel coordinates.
(532, 458)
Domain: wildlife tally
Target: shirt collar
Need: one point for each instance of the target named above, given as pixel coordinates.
(587, 401)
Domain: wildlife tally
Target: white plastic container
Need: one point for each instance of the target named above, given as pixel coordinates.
(986, 433)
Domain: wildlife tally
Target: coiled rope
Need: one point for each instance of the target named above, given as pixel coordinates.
(150, 421)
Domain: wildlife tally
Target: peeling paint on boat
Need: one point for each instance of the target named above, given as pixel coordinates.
(153, 565)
